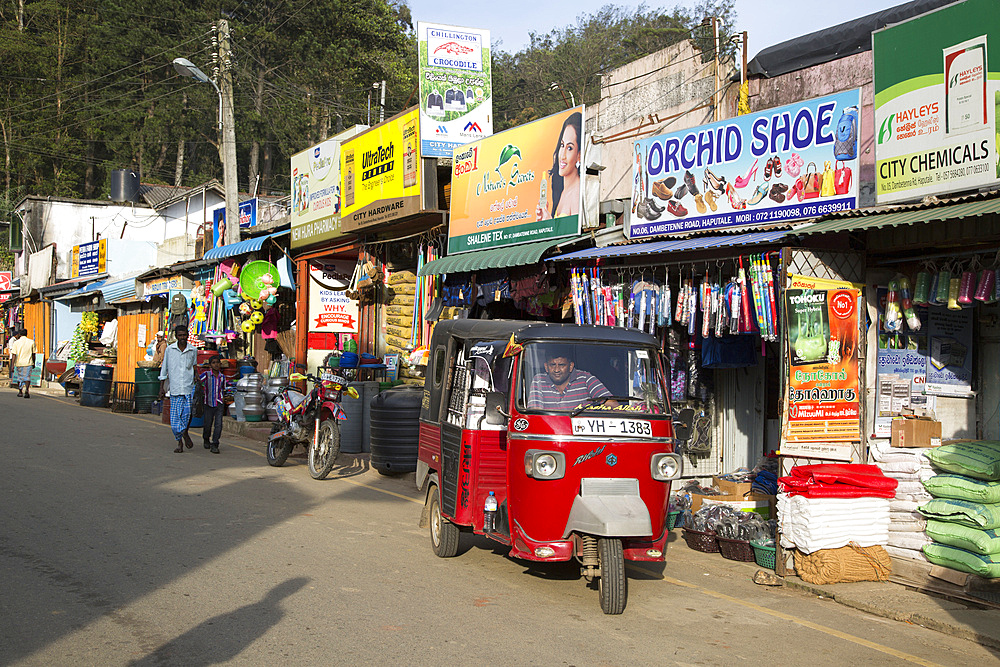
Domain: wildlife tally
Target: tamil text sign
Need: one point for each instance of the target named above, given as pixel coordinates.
(518, 186)
(788, 163)
(823, 388)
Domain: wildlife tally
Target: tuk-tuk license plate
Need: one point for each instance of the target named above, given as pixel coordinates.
(631, 428)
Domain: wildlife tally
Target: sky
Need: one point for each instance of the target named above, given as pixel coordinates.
(767, 22)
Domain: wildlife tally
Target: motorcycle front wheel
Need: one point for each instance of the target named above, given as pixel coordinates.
(279, 448)
(324, 449)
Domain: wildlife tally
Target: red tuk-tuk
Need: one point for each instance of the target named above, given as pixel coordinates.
(565, 430)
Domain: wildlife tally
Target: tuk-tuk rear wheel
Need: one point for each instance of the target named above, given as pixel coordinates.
(613, 586)
(444, 534)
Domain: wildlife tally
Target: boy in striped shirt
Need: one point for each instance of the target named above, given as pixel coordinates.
(213, 384)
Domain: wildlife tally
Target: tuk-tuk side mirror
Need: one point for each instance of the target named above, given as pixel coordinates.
(683, 424)
(496, 403)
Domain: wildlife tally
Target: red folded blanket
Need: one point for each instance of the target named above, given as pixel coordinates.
(836, 480)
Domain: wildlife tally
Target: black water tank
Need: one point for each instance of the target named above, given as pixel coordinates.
(395, 429)
(124, 185)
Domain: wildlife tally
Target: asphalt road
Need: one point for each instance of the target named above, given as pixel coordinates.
(114, 551)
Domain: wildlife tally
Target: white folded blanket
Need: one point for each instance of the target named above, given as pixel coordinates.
(911, 554)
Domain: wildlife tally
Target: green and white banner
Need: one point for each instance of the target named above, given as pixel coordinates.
(456, 87)
(937, 96)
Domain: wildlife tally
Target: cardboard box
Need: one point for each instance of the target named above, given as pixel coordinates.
(731, 488)
(915, 432)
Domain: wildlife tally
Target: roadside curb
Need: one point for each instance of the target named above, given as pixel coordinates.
(871, 600)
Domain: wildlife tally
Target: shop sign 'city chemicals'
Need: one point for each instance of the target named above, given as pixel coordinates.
(788, 163)
(937, 95)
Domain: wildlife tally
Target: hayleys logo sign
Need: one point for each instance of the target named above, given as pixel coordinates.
(936, 103)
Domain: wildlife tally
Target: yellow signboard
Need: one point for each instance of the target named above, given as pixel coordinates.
(380, 173)
(518, 186)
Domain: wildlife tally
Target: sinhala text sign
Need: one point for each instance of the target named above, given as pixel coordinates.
(380, 173)
(936, 97)
(518, 186)
(724, 175)
(822, 399)
(316, 198)
(456, 98)
(330, 309)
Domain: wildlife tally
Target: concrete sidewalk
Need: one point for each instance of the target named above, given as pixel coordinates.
(966, 620)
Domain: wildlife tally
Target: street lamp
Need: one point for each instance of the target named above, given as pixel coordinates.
(227, 145)
(185, 67)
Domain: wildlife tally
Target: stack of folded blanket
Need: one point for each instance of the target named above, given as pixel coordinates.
(834, 505)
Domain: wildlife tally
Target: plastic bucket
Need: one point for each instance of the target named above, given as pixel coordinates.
(96, 385)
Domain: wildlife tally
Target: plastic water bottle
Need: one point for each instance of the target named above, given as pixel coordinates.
(490, 513)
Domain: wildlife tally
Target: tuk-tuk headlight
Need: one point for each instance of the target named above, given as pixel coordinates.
(544, 465)
(666, 467)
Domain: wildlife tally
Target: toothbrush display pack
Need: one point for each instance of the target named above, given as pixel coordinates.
(788, 163)
(823, 383)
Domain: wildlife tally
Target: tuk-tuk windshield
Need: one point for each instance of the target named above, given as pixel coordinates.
(585, 377)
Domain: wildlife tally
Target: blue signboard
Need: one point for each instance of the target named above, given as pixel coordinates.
(248, 213)
(788, 163)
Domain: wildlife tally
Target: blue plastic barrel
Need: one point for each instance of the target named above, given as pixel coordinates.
(96, 387)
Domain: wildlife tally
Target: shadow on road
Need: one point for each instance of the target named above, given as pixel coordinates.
(223, 637)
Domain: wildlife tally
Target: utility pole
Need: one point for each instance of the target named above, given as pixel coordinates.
(227, 145)
(715, 95)
(381, 113)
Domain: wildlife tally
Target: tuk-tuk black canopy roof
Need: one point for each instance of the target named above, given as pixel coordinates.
(525, 332)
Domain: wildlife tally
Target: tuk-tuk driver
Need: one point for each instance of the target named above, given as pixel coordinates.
(562, 386)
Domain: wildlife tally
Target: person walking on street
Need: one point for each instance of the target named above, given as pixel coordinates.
(213, 383)
(177, 374)
(22, 360)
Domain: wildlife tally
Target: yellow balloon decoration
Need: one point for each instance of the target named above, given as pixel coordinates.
(255, 304)
(247, 326)
(256, 317)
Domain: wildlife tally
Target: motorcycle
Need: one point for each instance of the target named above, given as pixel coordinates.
(310, 420)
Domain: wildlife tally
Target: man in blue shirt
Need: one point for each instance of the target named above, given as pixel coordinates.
(177, 374)
(213, 383)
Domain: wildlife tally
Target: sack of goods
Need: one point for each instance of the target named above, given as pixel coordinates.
(400, 277)
(844, 565)
(963, 518)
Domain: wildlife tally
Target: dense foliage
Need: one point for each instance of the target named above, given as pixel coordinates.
(88, 87)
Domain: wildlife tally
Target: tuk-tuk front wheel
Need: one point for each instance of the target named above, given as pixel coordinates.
(613, 586)
(444, 534)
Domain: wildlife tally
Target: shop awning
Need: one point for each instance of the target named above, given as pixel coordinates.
(878, 219)
(243, 247)
(89, 288)
(495, 258)
(118, 291)
(675, 245)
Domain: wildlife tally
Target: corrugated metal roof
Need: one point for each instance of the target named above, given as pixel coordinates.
(118, 291)
(675, 245)
(903, 216)
(86, 289)
(243, 247)
(495, 258)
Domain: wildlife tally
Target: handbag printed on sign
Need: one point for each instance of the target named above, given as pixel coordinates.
(842, 178)
(811, 183)
(828, 189)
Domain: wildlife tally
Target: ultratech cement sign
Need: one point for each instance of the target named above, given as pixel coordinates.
(380, 173)
(936, 101)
